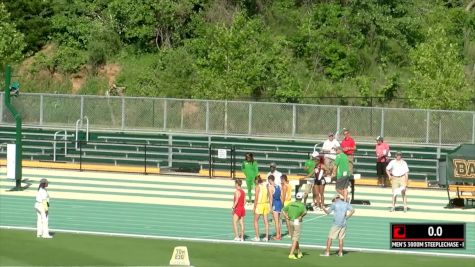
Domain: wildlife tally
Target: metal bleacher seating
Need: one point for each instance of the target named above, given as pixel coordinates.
(192, 152)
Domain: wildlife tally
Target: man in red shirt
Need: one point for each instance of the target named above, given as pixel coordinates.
(349, 146)
(382, 159)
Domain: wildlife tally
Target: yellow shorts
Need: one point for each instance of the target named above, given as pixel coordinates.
(262, 208)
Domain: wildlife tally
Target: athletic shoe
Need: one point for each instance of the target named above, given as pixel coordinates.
(292, 257)
(237, 239)
(241, 239)
(256, 239)
(47, 236)
(276, 238)
(325, 254)
(340, 254)
(265, 239)
(300, 255)
(392, 209)
(405, 209)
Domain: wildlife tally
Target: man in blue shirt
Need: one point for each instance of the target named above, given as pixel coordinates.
(341, 211)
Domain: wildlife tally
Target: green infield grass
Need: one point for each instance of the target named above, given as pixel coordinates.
(23, 248)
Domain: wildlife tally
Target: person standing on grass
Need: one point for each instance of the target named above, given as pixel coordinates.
(275, 196)
(382, 159)
(349, 146)
(286, 197)
(42, 208)
(238, 210)
(342, 173)
(294, 212)
(261, 208)
(250, 170)
(397, 171)
(341, 212)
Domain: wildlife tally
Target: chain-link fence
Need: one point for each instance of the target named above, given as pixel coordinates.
(290, 121)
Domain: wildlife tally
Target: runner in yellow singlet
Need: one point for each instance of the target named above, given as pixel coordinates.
(261, 207)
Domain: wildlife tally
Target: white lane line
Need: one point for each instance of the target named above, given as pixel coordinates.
(266, 244)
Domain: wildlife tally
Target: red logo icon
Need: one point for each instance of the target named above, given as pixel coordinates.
(399, 231)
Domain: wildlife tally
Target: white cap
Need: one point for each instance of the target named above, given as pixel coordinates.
(315, 154)
(299, 195)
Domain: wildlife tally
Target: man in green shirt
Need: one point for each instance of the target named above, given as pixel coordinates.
(342, 173)
(294, 212)
(250, 170)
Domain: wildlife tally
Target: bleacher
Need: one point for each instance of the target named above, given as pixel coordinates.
(191, 153)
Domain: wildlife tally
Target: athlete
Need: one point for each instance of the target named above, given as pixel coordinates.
(319, 188)
(41, 207)
(250, 170)
(286, 197)
(261, 208)
(276, 204)
(238, 211)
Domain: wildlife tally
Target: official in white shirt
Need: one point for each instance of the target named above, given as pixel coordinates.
(277, 174)
(397, 171)
(41, 207)
(328, 149)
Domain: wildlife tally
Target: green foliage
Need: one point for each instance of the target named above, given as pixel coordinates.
(11, 41)
(281, 50)
(32, 18)
(439, 78)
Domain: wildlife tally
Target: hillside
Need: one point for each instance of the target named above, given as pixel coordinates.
(414, 53)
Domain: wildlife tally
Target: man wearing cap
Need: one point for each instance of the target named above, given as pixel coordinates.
(277, 174)
(294, 212)
(342, 173)
(397, 171)
(349, 146)
(382, 159)
(341, 212)
(328, 149)
(41, 207)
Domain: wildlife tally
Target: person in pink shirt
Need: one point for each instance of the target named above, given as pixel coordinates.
(382, 160)
(349, 146)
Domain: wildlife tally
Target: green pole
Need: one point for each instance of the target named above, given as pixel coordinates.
(17, 116)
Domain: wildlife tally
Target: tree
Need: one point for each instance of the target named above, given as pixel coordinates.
(11, 41)
(439, 78)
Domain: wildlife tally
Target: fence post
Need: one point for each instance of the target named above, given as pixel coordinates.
(249, 131)
(80, 155)
(165, 109)
(182, 118)
(381, 133)
(473, 129)
(81, 116)
(225, 117)
(294, 120)
(41, 109)
(338, 121)
(207, 117)
(1, 107)
(122, 121)
(427, 126)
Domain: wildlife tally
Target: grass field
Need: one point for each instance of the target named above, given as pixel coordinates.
(66, 249)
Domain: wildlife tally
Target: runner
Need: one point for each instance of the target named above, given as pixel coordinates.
(238, 212)
(261, 208)
(276, 204)
(250, 170)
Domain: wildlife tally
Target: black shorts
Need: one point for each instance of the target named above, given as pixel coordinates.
(320, 182)
(381, 168)
(342, 183)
